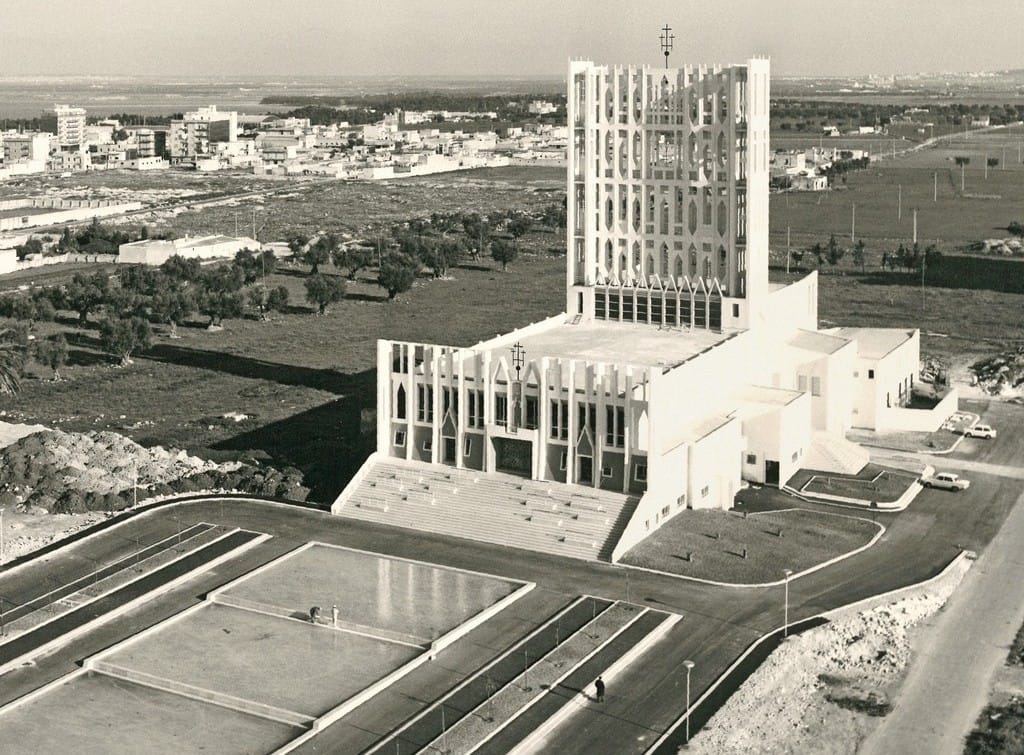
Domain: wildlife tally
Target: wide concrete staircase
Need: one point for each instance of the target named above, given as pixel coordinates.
(830, 453)
(550, 517)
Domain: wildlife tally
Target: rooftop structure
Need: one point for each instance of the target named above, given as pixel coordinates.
(70, 126)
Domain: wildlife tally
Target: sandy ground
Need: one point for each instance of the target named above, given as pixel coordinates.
(25, 532)
(809, 695)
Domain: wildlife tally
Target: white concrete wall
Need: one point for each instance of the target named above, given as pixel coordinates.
(714, 465)
(919, 420)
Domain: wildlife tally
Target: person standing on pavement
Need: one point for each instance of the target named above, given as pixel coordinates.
(599, 688)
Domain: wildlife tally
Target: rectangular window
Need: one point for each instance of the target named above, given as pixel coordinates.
(476, 408)
(563, 460)
(500, 409)
(704, 491)
(735, 310)
(600, 305)
(615, 426)
(815, 386)
(400, 438)
(428, 444)
(665, 511)
(871, 374)
(606, 471)
(424, 403)
(801, 382)
(467, 446)
(531, 413)
(613, 306)
(796, 455)
(559, 419)
(640, 473)
(751, 458)
(681, 501)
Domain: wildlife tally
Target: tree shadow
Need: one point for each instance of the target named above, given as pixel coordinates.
(328, 443)
(248, 367)
(362, 296)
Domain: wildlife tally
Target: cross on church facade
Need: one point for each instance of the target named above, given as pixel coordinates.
(667, 38)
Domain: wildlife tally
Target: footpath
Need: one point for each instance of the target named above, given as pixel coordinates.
(948, 683)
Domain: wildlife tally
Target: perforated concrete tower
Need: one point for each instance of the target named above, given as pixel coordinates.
(668, 194)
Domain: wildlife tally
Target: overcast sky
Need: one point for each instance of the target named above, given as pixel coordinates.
(497, 37)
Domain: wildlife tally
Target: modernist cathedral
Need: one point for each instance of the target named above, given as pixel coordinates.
(678, 370)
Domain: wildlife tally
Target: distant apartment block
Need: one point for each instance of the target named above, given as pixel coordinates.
(70, 126)
(25, 147)
(542, 107)
(197, 131)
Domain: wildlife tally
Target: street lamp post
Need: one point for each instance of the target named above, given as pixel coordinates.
(1, 536)
(785, 624)
(689, 667)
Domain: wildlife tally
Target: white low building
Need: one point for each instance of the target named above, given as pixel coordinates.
(158, 251)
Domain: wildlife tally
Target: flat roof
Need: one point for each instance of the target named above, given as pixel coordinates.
(822, 343)
(620, 343)
(875, 343)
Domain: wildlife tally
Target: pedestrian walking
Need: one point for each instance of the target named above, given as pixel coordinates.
(599, 688)
(334, 616)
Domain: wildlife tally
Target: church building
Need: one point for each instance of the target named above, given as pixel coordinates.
(678, 371)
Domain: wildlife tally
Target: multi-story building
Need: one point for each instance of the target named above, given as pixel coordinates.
(194, 135)
(70, 127)
(678, 371)
(21, 147)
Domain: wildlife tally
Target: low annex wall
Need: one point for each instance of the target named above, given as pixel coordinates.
(919, 420)
(85, 210)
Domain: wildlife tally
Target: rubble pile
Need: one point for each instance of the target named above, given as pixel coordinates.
(1011, 247)
(1001, 375)
(62, 472)
(818, 692)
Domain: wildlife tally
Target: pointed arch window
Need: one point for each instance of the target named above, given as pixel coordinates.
(609, 208)
(664, 216)
(663, 269)
(400, 409)
(608, 255)
(679, 267)
(693, 260)
(636, 256)
(636, 214)
(707, 268)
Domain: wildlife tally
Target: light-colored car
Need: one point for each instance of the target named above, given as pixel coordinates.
(981, 431)
(946, 481)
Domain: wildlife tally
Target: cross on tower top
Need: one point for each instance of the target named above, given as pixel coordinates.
(667, 38)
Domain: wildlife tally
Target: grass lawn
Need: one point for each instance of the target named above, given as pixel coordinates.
(710, 544)
(873, 483)
(306, 382)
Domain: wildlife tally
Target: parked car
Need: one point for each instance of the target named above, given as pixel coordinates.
(981, 431)
(946, 481)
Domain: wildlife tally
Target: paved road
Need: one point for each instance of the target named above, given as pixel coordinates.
(948, 683)
(718, 622)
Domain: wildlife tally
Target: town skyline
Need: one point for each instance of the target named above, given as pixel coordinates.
(327, 38)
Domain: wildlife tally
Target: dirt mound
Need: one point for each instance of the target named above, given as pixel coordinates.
(1011, 247)
(820, 690)
(1001, 375)
(74, 472)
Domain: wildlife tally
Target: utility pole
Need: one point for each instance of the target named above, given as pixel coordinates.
(899, 201)
(853, 224)
(788, 250)
(963, 176)
(935, 190)
(986, 166)
(915, 225)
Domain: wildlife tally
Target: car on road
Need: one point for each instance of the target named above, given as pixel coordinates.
(981, 431)
(946, 481)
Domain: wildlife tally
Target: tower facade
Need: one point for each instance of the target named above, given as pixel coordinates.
(667, 194)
